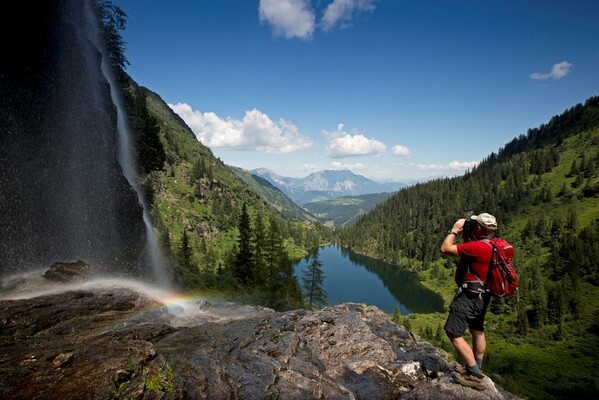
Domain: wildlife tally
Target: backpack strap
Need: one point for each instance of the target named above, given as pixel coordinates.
(494, 254)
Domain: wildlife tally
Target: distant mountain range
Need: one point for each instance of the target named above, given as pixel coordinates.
(325, 185)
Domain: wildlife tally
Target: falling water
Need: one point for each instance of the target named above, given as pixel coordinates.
(68, 186)
(153, 253)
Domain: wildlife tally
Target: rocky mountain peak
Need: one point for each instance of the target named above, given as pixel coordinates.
(326, 184)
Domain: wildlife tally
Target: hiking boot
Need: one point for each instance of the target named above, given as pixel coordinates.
(470, 380)
(478, 374)
(459, 368)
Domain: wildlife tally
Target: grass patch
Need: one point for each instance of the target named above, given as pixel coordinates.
(161, 381)
(541, 369)
(536, 366)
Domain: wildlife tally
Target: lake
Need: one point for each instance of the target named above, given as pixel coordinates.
(352, 277)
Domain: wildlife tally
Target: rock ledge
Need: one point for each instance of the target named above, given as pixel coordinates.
(119, 343)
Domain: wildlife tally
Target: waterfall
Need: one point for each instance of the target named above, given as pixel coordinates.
(153, 254)
(68, 186)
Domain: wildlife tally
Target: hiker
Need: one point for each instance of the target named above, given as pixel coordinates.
(469, 306)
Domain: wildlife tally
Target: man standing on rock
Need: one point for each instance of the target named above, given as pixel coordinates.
(469, 306)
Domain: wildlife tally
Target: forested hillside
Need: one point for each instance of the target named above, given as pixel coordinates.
(217, 232)
(205, 215)
(543, 187)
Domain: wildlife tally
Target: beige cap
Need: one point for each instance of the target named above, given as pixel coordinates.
(486, 220)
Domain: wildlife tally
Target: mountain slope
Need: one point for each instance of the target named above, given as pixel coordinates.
(197, 203)
(288, 209)
(323, 185)
(543, 188)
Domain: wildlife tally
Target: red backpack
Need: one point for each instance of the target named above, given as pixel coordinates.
(502, 279)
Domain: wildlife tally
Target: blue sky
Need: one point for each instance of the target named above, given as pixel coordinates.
(391, 89)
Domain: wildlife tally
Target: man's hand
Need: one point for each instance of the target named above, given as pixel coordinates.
(447, 247)
(458, 225)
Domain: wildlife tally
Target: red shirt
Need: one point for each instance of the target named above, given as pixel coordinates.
(475, 257)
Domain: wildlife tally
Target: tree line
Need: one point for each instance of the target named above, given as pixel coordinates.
(258, 264)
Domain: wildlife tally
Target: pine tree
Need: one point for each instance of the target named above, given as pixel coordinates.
(259, 244)
(313, 278)
(185, 250)
(150, 152)
(572, 222)
(574, 169)
(198, 171)
(148, 191)
(407, 324)
(282, 289)
(555, 304)
(579, 180)
(439, 333)
(396, 316)
(522, 326)
(244, 262)
(564, 191)
(114, 20)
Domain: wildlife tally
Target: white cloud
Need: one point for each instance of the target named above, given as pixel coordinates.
(558, 71)
(396, 172)
(288, 18)
(255, 131)
(343, 11)
(454, 165)
(355, 167)
(343, 144)
(309, 167)
(463, 164)
(401, 151)
(291, 169)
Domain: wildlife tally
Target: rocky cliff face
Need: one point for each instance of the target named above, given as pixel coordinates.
(102, 341)
(62, 191)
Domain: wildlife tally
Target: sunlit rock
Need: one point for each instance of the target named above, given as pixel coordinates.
(101, 340)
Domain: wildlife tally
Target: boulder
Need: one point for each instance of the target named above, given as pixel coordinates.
(75, 271)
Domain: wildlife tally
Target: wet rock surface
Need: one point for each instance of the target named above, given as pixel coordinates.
(112, 342)
(75, 271)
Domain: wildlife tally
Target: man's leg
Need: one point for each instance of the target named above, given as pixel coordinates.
(479, 345)
(459, 318)
(476, 327)
(463, 348)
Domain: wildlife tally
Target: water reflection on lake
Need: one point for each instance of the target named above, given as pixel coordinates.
(351, 277)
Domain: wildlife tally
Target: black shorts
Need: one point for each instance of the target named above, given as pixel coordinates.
(467, 310)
